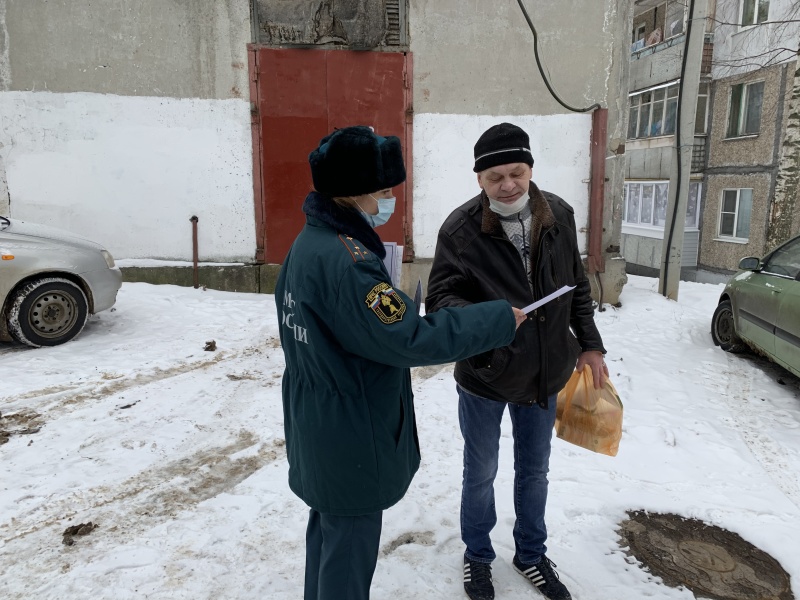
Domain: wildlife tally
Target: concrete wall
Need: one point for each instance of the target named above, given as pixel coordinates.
(443, 161)
(746, 162)
(739, 50)
(743, 55)
(718, 253)
(477, 58)
(129, 172)
(171, 48)
(748, 151)
(128, 110)
(123, 119)
(4, 204)
(649, 68)
(645, 251)
(474, 66)
(649, 158)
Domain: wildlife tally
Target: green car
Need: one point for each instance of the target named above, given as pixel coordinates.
(760, 307)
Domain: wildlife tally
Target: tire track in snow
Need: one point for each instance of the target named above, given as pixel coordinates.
(152, 496)
(749, 422)
(125, 512)
(103, 387)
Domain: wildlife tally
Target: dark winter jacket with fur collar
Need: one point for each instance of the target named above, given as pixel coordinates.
(475, 262)
(349, 339)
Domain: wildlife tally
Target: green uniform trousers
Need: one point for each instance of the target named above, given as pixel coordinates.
(341, 554)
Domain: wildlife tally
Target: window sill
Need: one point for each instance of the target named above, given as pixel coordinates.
(732, 240)
(649, 142)
(650, 232)
(745, 28)
(750, 136)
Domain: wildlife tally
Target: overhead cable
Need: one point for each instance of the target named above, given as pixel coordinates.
(541, 70)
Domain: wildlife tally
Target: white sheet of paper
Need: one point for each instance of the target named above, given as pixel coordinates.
(546, 299)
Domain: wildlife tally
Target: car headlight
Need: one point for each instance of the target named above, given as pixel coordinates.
(109, 259)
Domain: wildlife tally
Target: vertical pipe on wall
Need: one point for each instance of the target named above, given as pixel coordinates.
(408, 232)
(597, 183)
(195, 275)
(255, 130)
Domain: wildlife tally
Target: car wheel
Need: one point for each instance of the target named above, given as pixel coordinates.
(47, 312)
(723, 330)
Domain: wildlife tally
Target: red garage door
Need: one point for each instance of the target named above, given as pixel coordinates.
(300, 96)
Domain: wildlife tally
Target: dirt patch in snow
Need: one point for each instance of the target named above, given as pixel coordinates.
(24, 422)
(711, 561)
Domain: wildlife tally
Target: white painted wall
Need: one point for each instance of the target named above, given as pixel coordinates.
(740, 50)
(129, 172)
(443, 161)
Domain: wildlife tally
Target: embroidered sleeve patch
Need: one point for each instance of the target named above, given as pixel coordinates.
(386, 303)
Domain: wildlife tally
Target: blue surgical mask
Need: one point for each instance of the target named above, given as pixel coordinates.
(385, 210)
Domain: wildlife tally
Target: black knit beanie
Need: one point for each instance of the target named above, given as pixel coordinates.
(501, 145)
(354, 161)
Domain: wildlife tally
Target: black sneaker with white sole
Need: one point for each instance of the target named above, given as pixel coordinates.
(543, 576)
(478, 580)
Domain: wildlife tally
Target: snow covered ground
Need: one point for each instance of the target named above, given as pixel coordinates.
(177, 455)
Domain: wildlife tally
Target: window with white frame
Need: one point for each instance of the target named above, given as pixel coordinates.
(646, 204)
(675, 20)
(653, 112)
(754, 12)
(744, 113)
(734, 213)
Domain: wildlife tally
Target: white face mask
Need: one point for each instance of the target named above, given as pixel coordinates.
(501, 208)
(385, 210)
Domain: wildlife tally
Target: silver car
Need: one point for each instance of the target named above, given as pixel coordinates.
(50, 282)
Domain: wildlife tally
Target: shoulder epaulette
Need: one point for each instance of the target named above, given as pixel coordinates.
(355, 248)
(560, 201)
(452, 226)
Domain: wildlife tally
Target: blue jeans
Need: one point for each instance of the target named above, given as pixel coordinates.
(532, 428)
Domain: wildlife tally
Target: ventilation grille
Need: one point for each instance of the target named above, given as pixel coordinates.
(394, 30)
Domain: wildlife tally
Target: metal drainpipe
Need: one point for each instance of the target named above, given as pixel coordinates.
(195, 274)
(597, 182)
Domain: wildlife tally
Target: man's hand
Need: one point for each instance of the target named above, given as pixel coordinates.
(594, 359)
(519, 316)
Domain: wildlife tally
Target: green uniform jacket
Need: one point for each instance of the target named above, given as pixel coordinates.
(349, 339)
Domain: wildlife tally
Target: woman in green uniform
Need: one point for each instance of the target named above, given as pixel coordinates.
(349, 338)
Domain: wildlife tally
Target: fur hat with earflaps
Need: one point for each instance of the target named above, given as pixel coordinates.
(354, 161)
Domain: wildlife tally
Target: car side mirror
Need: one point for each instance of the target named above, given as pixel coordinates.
(751, 263)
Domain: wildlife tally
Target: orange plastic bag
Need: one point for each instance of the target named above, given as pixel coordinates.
(587, 417)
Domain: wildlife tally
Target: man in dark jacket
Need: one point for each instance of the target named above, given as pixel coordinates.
(349, 339)
(516, 242)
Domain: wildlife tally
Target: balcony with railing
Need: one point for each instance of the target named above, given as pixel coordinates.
(659, 31)
(699, 154)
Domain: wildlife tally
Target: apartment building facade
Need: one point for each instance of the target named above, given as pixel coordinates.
(744, 175)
